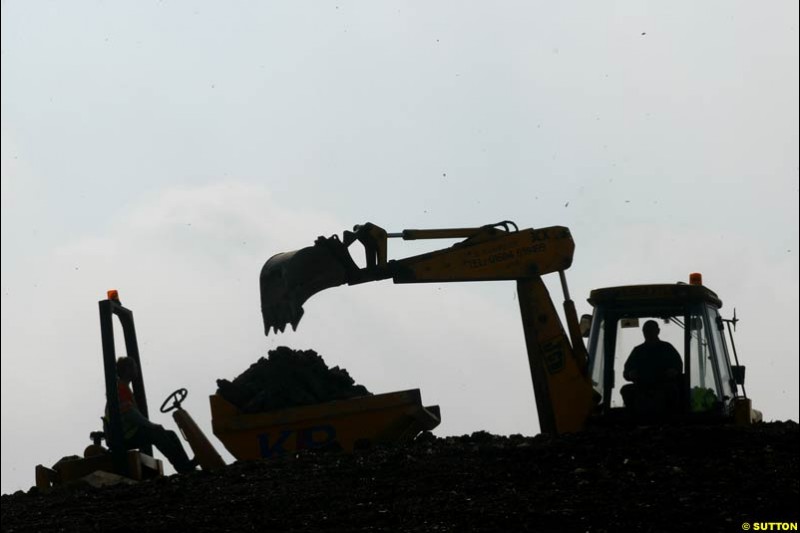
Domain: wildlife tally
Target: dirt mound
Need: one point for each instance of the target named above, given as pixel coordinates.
(699, 478)
(288, 378)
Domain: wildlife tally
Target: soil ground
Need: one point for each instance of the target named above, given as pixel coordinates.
(699, 478)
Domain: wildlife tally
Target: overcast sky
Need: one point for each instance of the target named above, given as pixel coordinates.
(169, 149)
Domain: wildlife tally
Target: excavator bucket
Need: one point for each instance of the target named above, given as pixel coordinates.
(289, 279)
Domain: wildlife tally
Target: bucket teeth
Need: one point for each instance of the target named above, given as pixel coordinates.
(278, 316)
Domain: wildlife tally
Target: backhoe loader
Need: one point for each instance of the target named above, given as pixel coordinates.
(572, 387)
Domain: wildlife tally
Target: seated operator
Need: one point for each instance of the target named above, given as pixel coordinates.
(138, 430)
(654, 368)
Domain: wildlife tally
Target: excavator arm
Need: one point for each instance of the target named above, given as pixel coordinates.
(489, 253)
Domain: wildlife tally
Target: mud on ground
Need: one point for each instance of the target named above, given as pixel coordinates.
(702, 478)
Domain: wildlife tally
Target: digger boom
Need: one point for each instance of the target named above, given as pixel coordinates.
(489, 253)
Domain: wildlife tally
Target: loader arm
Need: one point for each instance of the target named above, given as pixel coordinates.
(490, 253)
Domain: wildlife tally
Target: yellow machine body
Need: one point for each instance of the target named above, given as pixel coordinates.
(338, 425)
(203, 450)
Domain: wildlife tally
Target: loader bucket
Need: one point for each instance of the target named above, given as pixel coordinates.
(289, 279)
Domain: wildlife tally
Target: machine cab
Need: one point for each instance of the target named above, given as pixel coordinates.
(688, 319)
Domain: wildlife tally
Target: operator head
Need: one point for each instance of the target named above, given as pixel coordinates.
(650, 330)
(127, 368)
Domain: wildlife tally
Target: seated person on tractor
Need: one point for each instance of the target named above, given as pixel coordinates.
(654, 368)
(138, 430)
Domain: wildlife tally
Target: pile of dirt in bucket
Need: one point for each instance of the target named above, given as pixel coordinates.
(288, 378)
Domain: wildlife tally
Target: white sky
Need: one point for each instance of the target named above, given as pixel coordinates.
(169, 149)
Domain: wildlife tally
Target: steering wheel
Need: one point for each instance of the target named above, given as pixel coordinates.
(176, 398)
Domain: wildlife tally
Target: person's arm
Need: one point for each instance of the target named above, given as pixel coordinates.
(630, 371)
(129, 411)
(135, 417)
(675, 367)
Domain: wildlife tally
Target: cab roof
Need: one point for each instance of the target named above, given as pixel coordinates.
(647, 295)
